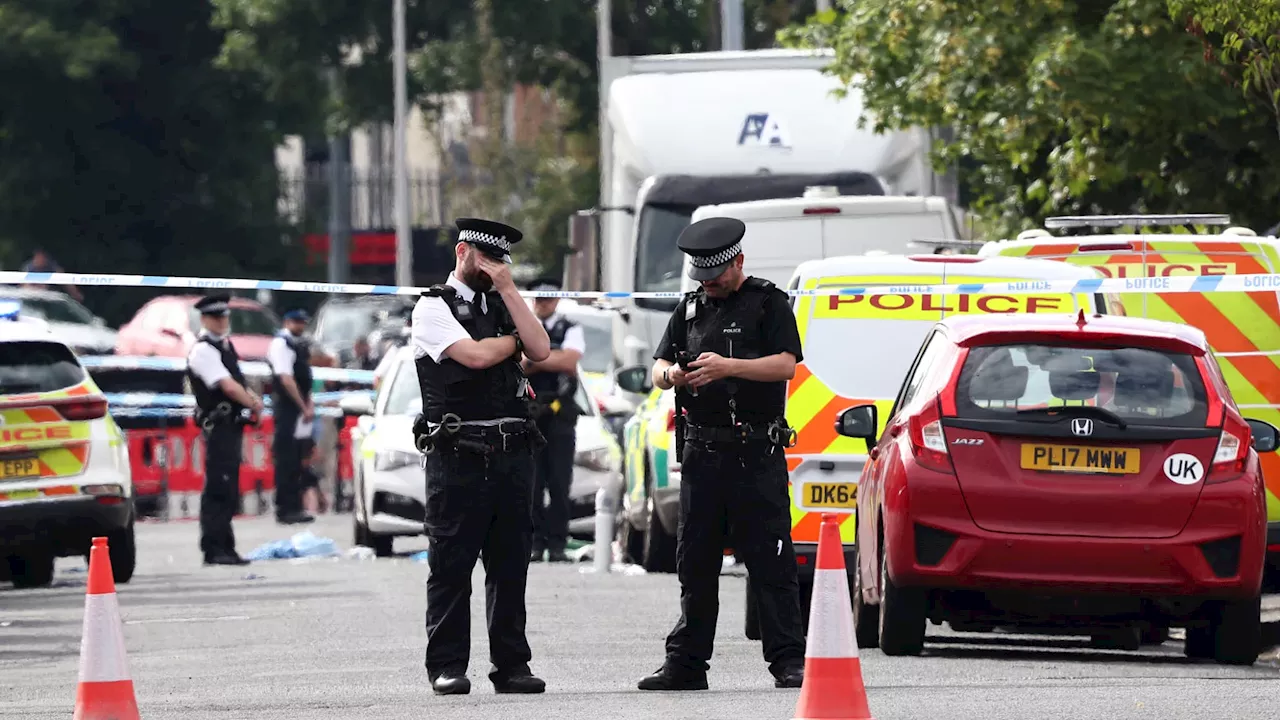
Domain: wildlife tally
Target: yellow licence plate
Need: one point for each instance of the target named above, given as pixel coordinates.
(19, 469)
(842, 495)
(1081, 459)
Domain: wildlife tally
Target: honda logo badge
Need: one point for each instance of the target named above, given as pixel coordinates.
(1082, 426)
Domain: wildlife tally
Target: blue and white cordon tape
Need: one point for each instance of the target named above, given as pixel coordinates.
(251, 368)
(1182, 284)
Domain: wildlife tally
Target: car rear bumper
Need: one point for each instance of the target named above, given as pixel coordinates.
(65, 525)
(1273, 539)
(807, 560)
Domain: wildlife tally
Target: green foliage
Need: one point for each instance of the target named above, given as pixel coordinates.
(1247, 37)
(124, 149)
(1058, 106)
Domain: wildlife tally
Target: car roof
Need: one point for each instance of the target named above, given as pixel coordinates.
(1043, 239)
(968, 330)
(937, 265)
(18, 292)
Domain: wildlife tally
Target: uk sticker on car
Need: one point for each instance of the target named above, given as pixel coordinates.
(1184, 469)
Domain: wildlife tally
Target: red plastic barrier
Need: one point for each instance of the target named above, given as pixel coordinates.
(257, 464)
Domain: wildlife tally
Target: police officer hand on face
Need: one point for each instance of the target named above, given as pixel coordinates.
(289, 355)
(555, 384)
(224, 407)
(729, 350)
(479, 438)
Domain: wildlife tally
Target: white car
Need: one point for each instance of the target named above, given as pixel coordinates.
(390, 484)
(64, 463)
(68, 320)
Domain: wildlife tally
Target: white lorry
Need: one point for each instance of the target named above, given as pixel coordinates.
(682, 131)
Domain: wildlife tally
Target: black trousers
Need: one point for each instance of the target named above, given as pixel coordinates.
(740, 489)
(477, 507)
(553, 475)
(286, 451)
(221, 495)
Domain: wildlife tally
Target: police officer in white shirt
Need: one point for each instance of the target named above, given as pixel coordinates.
(213, 369)
(289, 355)
(468, 337)
(555, 385)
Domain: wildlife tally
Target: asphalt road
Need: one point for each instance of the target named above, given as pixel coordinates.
(343, 638)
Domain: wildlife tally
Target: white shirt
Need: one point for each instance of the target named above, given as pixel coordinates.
(281, 356)
(206, 362)
(434, 328)
(574, 338)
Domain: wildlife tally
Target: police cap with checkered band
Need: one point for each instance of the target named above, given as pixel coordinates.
(711, 245)
(492, 238)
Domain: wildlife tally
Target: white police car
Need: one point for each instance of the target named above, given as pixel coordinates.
(390, 484)
(64, 463)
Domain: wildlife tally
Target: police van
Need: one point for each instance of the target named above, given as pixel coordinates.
(1243, 328)
(857, 349)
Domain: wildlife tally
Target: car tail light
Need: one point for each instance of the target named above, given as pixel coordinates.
(83, 409)
(928, 443)
(822, 211)
(671, 420)
(1233, 450)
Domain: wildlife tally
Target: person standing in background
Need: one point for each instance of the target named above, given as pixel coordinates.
(289, 355)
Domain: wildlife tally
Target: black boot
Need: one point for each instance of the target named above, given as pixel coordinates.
(790, 676)
(671, 678)
(520, 682)
(451, 682)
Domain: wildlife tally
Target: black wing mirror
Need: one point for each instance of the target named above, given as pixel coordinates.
(1266, 438)
(634, 379)
(860, 422)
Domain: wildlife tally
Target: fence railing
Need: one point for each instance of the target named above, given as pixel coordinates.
(304, 198)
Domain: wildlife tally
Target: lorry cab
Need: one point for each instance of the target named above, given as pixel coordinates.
(781, 234)
(1243, 328)
(857, 349)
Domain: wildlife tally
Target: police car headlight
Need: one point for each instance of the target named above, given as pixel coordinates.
(393, 460)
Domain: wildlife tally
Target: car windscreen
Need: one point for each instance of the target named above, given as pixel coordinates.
(1142, 386)
(598, 336)
(37, 367)
(406, 394)
(54, 310)
(244, 321)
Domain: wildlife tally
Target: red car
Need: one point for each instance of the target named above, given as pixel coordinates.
(1064, 475)
(167, 327)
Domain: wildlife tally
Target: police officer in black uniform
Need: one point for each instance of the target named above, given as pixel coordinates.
(289, 355)
(729, 350)
(478, 436)
(555, 384)
(223, 407)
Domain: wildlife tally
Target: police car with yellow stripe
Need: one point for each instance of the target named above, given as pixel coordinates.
(64, 463)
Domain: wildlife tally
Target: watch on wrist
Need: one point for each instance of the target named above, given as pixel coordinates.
(519, 343)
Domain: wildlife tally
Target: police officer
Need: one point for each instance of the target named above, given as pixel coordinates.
(729, 349)
(555, 383)
(289, 355)
(213, 369)
(477, 433)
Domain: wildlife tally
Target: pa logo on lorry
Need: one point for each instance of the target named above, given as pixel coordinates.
(763, 130)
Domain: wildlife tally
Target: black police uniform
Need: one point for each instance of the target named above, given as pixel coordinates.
(477, 429)
(222, 422)
(285, 448)
(734, 481)
(557, 417)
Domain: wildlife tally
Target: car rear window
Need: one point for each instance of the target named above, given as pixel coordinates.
(1142, 386)
(35, 367)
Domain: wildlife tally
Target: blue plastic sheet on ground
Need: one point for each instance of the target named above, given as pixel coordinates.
(419, 557)
(304, 544)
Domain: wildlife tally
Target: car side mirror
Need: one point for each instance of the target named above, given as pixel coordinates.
(858, 422)
(356, 404)
(634, 379)
(1266, 438)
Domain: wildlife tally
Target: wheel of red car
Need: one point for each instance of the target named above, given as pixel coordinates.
(866, 618)
(902, 613)
(1237, 631)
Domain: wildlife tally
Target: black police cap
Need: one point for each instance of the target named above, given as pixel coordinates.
(544, 284)
(214, 305)
(492, 238)
(711, 245)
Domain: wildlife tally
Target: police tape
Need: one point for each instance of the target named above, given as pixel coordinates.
(188, 401)
(251, 368)
(1163, 284)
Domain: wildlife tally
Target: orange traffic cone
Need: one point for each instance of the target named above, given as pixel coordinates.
(832, 672)
(105, 691)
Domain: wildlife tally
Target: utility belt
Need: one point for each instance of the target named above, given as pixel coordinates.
(223, 414)
(775, 432)
(453, 434)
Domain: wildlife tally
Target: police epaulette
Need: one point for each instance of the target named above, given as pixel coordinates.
(439, 291)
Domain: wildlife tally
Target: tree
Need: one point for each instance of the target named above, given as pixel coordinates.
(1059, 106)
(1248, 41)
(123, 149)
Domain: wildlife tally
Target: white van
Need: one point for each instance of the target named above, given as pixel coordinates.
(781, 234)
